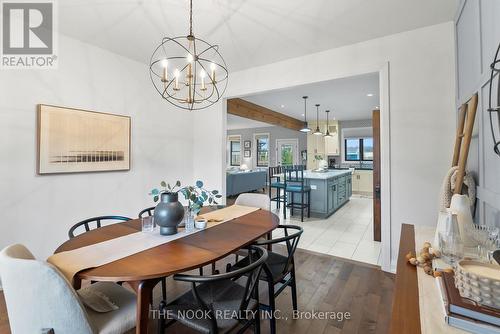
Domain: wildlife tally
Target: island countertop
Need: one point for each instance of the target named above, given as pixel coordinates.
(309, 174)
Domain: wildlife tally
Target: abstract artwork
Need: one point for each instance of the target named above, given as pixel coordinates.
(74, 140)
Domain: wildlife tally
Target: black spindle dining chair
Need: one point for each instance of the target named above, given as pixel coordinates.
(278, 269)
(217, 294)
(147, 212)
(88, 223)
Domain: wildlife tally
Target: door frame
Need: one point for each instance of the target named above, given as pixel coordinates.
(382, 68)
(295, 155)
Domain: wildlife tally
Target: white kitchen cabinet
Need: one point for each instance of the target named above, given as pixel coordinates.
(362, 181)
(332, 146)
(319, 145)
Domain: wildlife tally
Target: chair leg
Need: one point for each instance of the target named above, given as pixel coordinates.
(161, 321)
(256, 322)
(308, 204)
(284, 204)
(214, 270)
(278, 199)
(272, 307)
(302, 206)
(164, 288)
(293, 286)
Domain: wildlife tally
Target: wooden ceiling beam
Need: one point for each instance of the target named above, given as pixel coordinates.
(242, 108)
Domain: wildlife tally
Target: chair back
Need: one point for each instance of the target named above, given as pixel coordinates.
(258, 256)
(38, 297)
(261, 201)
(290, 239)
(88, 223)
(274, 173)
(147, 212)
(294, 175)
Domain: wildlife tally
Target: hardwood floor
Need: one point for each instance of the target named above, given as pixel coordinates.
(325, 283)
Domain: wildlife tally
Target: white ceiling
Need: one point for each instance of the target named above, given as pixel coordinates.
(236, 122)
(346, 98)
(249, 33)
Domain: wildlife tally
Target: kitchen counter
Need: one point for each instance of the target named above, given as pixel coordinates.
(330, 173)
(330, 190)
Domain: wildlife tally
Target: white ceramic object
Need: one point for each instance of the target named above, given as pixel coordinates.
(479, 282)
(200, 224)
(460, 205)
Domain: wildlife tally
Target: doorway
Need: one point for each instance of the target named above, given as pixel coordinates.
(287, 152)
(382, 69)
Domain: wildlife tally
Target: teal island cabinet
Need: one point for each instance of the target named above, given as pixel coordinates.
(329, 191)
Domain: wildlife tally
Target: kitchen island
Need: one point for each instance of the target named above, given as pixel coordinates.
(329, 191)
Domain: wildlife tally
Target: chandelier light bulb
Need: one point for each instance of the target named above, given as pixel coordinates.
(189, 58)
(176, 75)
(164, 64)
(203, 74)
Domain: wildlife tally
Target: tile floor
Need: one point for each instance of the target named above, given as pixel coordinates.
(348, 233)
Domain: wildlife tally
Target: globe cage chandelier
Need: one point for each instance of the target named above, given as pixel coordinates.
(492, 108)
(187, 71)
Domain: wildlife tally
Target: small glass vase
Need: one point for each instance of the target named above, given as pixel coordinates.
(450, 241)
(189, 221)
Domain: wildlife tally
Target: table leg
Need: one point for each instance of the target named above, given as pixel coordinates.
(270, 237)
(144, 291)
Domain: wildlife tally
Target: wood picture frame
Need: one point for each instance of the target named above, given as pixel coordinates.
(246, 154)
(247, 144)
(71, 140)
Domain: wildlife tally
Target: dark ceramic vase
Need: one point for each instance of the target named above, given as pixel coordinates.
(168, 213)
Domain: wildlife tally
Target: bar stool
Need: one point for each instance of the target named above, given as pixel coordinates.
(275, 183)
(295, 184)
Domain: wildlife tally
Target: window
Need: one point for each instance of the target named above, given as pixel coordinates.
(262, 145)
(359, 149)
(235, 151)
(367, 149)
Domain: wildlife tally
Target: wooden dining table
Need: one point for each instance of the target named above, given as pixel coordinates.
(142, 271)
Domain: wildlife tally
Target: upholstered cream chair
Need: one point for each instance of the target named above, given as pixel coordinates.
(261, 201)
(39, 299)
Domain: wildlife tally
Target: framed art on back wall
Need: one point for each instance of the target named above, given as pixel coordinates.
(74, 140)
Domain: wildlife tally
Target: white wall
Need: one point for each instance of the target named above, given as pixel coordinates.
(478, 35)
(38, 210)
(422, 94)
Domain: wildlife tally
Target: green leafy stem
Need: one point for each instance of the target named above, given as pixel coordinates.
(196, 195)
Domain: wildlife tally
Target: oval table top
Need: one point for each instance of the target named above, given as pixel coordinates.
(187, 253)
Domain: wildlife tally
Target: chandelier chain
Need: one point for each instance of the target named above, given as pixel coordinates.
(191, 17)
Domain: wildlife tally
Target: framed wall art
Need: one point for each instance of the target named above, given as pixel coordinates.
(75, 140)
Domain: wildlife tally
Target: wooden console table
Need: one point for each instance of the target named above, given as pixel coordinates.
(416, 305)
